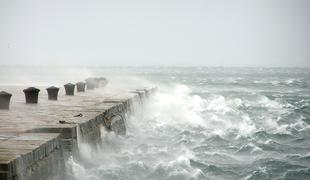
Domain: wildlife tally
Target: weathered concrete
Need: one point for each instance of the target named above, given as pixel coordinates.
(31, 95)
(80, 87)
(36, 139)
(5, 99)
(31, 156)
(69, 87)
(52, 92)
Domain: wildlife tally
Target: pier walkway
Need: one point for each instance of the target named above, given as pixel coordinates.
(36, 139)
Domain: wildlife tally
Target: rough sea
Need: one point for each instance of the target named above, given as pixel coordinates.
(206, 123)
(209, 123)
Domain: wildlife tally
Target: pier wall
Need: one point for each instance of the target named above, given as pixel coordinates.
(40, 153)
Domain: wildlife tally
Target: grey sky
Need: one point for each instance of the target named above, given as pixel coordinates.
(158, 32)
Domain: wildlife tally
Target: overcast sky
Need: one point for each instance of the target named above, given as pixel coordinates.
(157, 32)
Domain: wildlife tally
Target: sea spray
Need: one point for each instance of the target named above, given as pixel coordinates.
(236, 124)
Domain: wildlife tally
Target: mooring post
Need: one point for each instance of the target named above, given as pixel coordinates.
(31, 95)
(69, 89)
(102, 81)
(80, 87)
(90, 83)
(52, 93)
(97, 82)
(5, 100)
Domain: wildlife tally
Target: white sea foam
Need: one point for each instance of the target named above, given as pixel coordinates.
(190, 132)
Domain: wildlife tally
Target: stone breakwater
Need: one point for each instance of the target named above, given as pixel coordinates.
(37, 139)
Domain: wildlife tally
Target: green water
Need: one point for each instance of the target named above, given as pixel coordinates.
(211, 123)
(204, 123)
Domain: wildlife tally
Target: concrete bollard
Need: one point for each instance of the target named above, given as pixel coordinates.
(90, 83)
(31, 95)
(5, 99)
(102, 81)
(97, 82)
(141, 93)
(69, 89)
(80, 87)
(52, 93)
(146, 93)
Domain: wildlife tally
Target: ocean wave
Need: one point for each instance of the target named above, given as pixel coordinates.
(280, 82)
(249, 148)
(227, 129)
(301, 174)
(276, 165)
(216, 140)
(214, 172)
(259, 174)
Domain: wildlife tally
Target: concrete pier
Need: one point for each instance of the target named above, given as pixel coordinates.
(36, 139)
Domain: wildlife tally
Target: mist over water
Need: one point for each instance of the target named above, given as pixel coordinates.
(205, 123)
(210, 123)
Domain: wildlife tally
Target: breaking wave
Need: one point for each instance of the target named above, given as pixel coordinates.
(200, 131)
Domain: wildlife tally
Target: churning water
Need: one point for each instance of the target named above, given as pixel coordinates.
(210, 123)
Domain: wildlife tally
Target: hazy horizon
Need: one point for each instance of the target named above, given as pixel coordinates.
(146, 66)
(241, 33)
